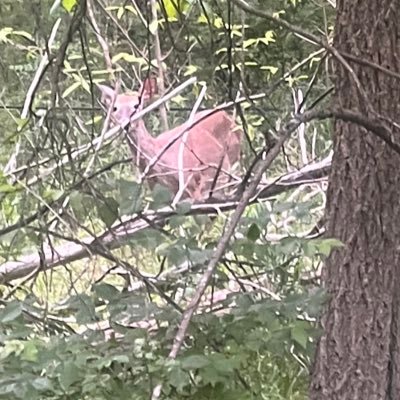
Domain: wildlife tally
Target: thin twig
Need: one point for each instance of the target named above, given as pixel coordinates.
(102, 42)
(103, 131)
(182, 145)
(157, 51)
(299, 108)
(44, 62)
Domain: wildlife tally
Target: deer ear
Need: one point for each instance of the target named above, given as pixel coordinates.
(107, 94)
(149, 88)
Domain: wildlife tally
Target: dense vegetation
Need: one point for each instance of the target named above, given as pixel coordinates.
(97, 269)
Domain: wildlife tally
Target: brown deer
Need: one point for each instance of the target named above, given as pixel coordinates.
(208, 147)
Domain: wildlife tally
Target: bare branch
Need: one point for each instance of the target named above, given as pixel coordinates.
(119, 235)
(102, 42)
(157, 51)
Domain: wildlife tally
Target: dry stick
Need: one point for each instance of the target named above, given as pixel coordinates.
(371, 64)
(31, 91)
(74, 25)
(103, 44)
(182, 146)
(157, 50)
(118, 235)
(297, 101)
(42, 66)
(104, 130)
(224, 241)
(261, 288)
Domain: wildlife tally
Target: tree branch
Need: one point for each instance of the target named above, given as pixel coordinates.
(119, 235)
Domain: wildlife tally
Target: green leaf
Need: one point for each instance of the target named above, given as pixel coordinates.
(253, 232)
(128, 58)
(161, 196)
(30, 352)
(183, 208)
(190, 70)
(69, 4)
(42, 384)
(198, 256)
(120, 358)
(129, 197)
(202, 19)
(218, 22)
(107, 361)
(223, 364)
(6, 188)
(69, 375)
(288, 246)
(249, 42)
(131, 9)
(270, 68)
(8, 31)
(76, 201)
(268, 38)
(108, 211)
(195, 362)
(327, 245)
(85, 85)
(178, 378)
(70, 89)
(299, 335)
(83, 308)
(11, 312)
(23, 34)
(120, 12)
(4, 33)
(149, 239)
(175, 7)
(105, 291)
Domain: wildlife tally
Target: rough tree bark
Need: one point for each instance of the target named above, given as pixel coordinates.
(358, 355)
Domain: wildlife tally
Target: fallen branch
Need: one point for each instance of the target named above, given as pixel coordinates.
(117, 236)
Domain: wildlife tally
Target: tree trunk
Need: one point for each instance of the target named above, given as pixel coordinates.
(358, 354)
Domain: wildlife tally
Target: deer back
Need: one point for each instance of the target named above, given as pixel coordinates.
(211, 147)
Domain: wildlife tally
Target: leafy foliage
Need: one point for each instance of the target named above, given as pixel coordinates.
(103, 329)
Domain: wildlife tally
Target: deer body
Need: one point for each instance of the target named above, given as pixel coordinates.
(211, 148)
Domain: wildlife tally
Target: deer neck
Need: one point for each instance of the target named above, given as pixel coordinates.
(141, 142)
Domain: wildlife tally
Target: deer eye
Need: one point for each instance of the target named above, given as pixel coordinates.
(115, 109)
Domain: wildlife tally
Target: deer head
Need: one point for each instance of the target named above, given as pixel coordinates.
(203, 153)
(126, 105)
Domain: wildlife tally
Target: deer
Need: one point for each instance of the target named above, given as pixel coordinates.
(211, 145)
